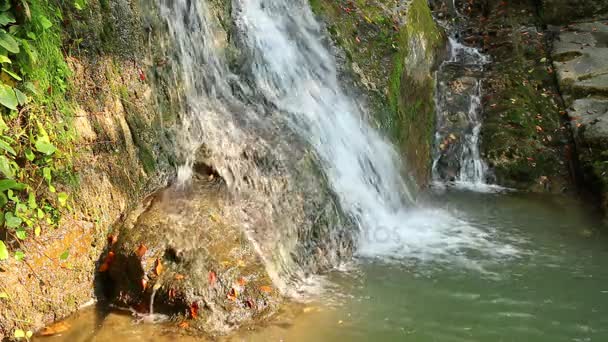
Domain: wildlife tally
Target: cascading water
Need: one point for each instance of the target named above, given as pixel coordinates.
(457, 157)
(288, 75)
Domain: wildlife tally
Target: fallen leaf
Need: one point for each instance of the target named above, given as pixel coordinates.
(241, 281)
(240, 263)
(179, 276)
(158, 269)
(212, 278)
(266, 288)
(107, 262)
(141, 250)
(183, 325)
(194, 310)
(233, 294)
(55, 329)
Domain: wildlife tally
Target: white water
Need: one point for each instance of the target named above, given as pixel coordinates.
(294, 72)
(473, 170)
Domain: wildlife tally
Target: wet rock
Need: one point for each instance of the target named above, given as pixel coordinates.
(580, 53)
(567, 11)
(184, 254)
(580, 57)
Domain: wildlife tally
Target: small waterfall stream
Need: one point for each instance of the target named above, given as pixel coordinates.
(457, 157)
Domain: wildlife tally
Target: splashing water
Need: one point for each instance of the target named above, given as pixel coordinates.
(290, 69)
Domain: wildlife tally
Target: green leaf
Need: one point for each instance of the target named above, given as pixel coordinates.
(63, 198)
(37, 230)
(6, 184)
(64, 255)
(46, 173)
(21, 97)
(45, 22)
(7, 97)
(31, 35)
(12, 74)
(19, 333)
(31, 200)
(7, 18)
(19, 255)
(3, 199)
(5, 5)
(3, 251)
(11, 220)
(21, 234)
(3, 126)
(5, 167)
(31, 87)
(8, 42)
(45, 147)
(3, 295)
(29, 155)
(5, 146)
(5, 59)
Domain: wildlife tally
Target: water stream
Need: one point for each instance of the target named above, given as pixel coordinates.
(457, 157)
(458, 266)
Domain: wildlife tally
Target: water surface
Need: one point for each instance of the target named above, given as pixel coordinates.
(551, 285)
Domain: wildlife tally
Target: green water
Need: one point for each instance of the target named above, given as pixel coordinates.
(554, 287)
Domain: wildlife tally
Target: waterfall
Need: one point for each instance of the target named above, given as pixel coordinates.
(457, 157)
(288, 76)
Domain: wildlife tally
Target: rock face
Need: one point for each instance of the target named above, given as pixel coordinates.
(123, 150)
(580, 57)
(184, 253)
(522, 138)
(568, 11)
(391, 49)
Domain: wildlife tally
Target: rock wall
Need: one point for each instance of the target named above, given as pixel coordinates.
(523, 137)
(392, 48)
(123, 118)
(559, 12)
(580, 58)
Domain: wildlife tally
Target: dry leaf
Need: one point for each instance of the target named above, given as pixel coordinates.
(141, 250)
(266, 288)
(55, 329)
(212, 278)
(158, 269)
(194, 310)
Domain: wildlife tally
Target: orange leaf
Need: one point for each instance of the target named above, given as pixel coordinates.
(141, 250)
(266, 288)
(179, 276)
(55, 329)
(183, 325)
(232, 294)
(159, 267)
(104, 267)
(212, 278)
(194, 310)
(241, 281)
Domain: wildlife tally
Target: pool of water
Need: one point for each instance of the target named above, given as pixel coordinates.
(551, 285)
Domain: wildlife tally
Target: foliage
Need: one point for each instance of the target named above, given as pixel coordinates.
(35, 127)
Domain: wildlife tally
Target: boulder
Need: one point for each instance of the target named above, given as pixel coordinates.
(182, 254)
